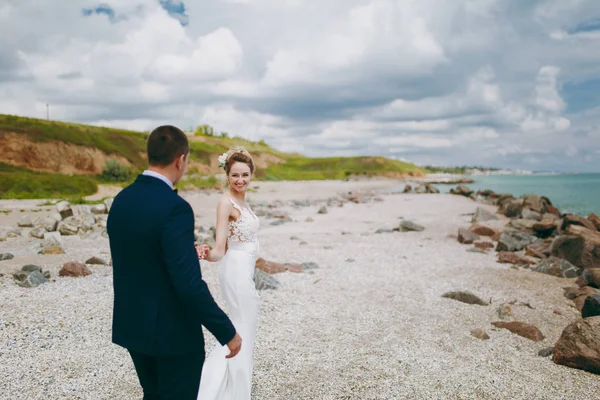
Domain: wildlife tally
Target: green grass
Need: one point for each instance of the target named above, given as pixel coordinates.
(303, 168)
(33, 185)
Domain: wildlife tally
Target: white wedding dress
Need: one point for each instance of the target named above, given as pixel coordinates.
(231, 379)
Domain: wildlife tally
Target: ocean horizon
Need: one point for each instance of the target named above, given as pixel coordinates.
(576, 193)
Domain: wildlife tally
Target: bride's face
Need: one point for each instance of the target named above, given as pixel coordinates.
(239, 176)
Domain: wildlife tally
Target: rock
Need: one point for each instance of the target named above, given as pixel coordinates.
(31, 268)
(278, 222)
(49, 224)
(504, 311)
(309, 265)
(74, 269)
(309, 219)
(269, 267)
(466, 236)
(523, 224)
(523, 329)
(483, 245)
(591, 306)
(322, 210)
(407, 226)
(56, 236)
(483, 230)
(384, 230)
(579, 345)
(476, 250)
(591, 277)
(465, 297)
(407, 189)
(594, 219)
(509, 257)
(294, 238)
(534, 202)
(293, 267)
(51, 246)
(264, 281)
(99, 209)
(480, 334)
(33, 279)
(278, 214)
(37, 233)
(514, 241)
(546, 352)
(64, 209)
(558, 267)
(69, 226)
(482, 215)
(512, 209)
(6, 256)
(581, 246)
(96, 261)
(25, 222)
(532, 215)
(571, 219)
(573, 292)
(108, 203)
(538, 249)
(462, 190)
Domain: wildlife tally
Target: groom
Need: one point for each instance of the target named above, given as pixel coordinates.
(160, 299)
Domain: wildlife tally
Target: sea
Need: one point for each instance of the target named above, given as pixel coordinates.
(570, 193)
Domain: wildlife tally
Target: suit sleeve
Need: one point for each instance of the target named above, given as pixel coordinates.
(183, 267)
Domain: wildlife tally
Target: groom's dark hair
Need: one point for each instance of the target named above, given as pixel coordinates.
(165, 144)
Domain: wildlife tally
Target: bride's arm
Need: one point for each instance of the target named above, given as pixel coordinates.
(224, 209)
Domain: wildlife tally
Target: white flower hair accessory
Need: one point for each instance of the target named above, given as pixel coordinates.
(222, 160)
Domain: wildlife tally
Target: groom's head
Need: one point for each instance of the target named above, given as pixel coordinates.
(168, 150)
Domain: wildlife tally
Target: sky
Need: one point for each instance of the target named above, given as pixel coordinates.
(498, 83)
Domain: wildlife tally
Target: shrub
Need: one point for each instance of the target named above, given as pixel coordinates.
(115, 172)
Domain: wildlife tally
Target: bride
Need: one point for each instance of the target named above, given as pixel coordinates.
(236, 246)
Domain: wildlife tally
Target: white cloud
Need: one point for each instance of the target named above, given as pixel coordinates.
(487, 79)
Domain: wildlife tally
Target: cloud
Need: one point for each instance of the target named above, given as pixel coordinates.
(446, 82)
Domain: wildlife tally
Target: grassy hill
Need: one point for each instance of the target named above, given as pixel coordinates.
(50, 159)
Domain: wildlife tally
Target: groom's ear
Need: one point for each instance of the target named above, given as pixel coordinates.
(181, 161)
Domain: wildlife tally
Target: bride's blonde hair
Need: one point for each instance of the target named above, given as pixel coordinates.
(238, 154)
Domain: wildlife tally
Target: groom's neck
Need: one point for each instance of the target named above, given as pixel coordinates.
(166, 172)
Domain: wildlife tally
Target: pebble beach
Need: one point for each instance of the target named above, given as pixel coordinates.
(368, 322)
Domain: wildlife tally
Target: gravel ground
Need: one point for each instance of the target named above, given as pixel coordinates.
(370, 323)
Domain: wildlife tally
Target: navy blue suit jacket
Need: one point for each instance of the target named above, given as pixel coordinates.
(160, 298)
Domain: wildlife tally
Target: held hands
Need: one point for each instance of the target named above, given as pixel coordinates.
(234, 345)
(203, 251)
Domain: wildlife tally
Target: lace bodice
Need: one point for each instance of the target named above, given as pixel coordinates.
(245, 228)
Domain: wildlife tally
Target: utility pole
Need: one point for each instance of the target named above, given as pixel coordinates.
(47, 111)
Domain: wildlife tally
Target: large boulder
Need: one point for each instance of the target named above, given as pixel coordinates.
(579, 345)
(571, 219)
(580, 247)
(512, 208)
(69, 226)
(594, 219)
(264, 281)
(535, 203)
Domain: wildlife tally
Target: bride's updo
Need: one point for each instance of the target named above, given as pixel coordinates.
(238, 154)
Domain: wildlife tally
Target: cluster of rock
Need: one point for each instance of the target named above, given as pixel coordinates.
(530, 232)
(32, 275)
(423, 188)
(66, 220)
